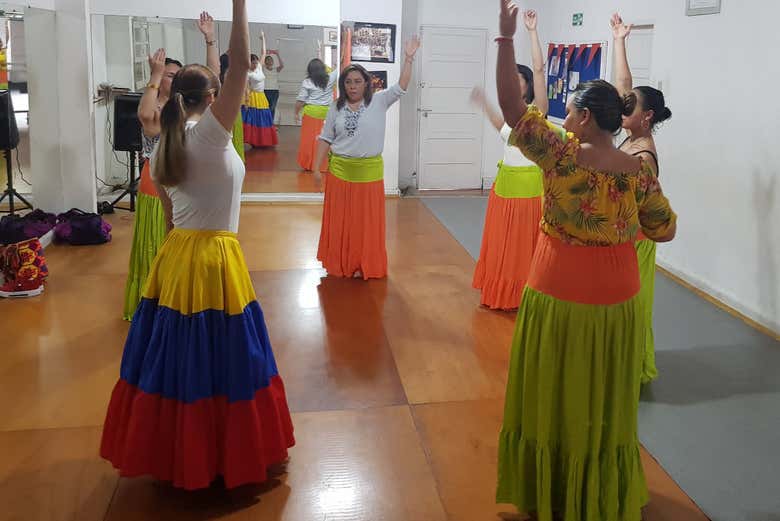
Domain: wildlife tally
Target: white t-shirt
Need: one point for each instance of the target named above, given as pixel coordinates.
(310, 94)
(512, 155)
(256, 80)
(271, 78)
(209, 198)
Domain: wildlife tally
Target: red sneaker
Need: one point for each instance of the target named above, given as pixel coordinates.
(24, 270)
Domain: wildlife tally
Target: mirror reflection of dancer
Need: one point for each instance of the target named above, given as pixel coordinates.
(271, 71)
(580, 315)
(515, 203)
(259, 129)
(198, 373)
(352, 240)
(649, 110)
(152, 211)
(314, 99)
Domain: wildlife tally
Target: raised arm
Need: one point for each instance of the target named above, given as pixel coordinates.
(620, 31)
(410, 49)
(148, 111)
(510, 95)
(263, 47)
(206, 27)
(228, 103)
(281, 62)
(540, 77)
(479, 99)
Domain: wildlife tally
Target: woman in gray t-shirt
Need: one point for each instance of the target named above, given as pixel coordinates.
(352, 240)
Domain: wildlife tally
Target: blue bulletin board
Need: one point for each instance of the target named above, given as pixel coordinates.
(569, 65)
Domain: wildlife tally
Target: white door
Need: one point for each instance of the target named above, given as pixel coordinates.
(293, 53)
(639, 46)
(450, 147)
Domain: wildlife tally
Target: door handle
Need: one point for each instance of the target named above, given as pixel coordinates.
(424, 112)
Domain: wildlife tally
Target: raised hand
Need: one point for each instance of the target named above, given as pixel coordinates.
(619, 29)
(206, 25)
(508, 19)
(478, 97)
(530, 19)
(157, 62)
(411, 46)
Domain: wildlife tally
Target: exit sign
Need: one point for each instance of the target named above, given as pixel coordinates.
(576, 19)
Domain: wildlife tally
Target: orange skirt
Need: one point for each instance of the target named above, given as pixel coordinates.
(145, 185)
(508, 241)
(311, 128)
(353, 229)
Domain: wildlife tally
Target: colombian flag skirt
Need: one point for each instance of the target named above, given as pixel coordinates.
(148, 235)
(568, 446)
(199, 394)
(259, 129)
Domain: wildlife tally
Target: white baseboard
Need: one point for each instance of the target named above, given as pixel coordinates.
(729, 300)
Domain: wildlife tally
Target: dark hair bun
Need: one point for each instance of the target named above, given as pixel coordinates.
(665, 114)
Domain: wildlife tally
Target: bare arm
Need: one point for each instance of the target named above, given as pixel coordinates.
(410, 49)
(206, 26)
(281, 62)
(479, 99)
(263, 47)
(167, 206)
(510, 97)
(298, 108)
(623, 79)
(540, 76)
(228, 103)
(148, 110)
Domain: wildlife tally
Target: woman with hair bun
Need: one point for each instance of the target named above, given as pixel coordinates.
(647, 109)
(568, 447)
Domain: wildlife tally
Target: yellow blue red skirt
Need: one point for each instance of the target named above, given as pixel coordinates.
(259, 129)
(199, 394)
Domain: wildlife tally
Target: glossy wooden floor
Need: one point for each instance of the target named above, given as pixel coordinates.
(396, 386)
(276, 170)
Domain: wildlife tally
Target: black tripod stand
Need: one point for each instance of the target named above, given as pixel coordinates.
(132, 186)
(10, 192)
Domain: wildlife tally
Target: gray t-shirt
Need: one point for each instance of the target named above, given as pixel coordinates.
(360, 133)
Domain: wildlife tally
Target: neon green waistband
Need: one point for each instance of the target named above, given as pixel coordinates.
(316, 111)
(357, 170)
(518, 181)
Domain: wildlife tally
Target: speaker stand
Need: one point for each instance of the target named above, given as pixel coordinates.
(10, 192)
(132, 187)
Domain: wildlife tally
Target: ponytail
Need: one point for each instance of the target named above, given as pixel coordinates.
(171, 158)
(189, 90)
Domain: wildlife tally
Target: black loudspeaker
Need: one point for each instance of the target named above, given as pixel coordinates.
(127, 127)
(9, 132)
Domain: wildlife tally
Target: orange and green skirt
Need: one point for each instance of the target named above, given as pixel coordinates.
(311, 128)
(568, 445)
(259, 129)
(352, 238)
(509, 236)
(149, 229)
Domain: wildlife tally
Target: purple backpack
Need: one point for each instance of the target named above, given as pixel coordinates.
(34, 225)
(80, 228)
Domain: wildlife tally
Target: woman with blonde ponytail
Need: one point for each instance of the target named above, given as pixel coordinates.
(152, 214)
(198, 372)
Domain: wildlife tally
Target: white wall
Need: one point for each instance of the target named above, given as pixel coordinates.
(719, 156)
(307, 12)
(388, 12)
(454, 13)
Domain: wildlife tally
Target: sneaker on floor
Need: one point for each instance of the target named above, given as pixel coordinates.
(22, 288)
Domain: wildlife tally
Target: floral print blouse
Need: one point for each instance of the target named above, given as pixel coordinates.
(584, 206)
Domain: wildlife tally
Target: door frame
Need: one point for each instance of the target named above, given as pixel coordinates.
(418, 100)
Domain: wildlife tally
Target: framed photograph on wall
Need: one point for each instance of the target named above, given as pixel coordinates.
(378, 80)
(700, 7)
(373, 43)
(331, 36)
